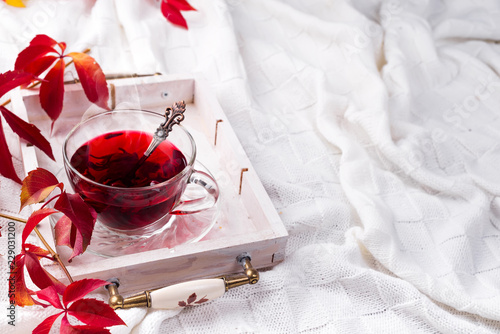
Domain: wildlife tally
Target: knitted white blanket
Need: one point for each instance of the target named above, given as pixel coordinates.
(374, 126)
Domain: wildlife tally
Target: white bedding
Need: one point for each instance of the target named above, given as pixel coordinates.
(373, 126)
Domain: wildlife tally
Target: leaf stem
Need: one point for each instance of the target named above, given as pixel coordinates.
(44, 242)
(35, 84)
(50, 200)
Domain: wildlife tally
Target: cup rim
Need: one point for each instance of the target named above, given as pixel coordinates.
(181, 174)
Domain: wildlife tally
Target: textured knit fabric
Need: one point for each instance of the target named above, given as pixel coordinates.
(373, 126)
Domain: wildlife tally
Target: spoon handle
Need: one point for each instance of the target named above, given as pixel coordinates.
(173, 116)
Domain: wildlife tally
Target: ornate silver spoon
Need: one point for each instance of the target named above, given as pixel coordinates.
(173, 116)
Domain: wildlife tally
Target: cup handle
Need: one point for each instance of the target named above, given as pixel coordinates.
(205, 181)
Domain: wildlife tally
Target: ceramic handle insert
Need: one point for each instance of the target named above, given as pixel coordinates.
(187, 293)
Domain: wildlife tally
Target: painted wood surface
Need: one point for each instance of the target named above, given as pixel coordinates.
(248, 222)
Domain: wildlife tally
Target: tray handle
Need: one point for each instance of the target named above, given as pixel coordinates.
(184, 294)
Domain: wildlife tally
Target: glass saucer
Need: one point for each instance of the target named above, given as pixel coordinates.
(178, 230)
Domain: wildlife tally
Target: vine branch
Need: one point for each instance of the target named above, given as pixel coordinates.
(44, 242)
(35, 84)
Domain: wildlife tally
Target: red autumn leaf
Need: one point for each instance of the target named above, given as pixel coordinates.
(40, 65)
(39, 276)
(82, 217)
(43, 40)
(191, 298)
(37, 186)
(23, 294)
(8, 81)
(62, 45)
(35, 218)
(44, 326)
(6, 166)
(41, 54)
(15, 3)
(46, 40)
(180, 4)
(12, 79)
(39, 47)
(79, 289)
(92, 78)
(27, 131)
(95, 312)
(49, 294)
(63, 231)
(173, 14)
(182, 303)
(31, 54)
(67, 328)
(36, 59)
(76, 243)
(38, 251)
(52, 90)
(22, 297)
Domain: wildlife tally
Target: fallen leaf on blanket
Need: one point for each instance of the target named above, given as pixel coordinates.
(180, 4)
(15, 3)
(37, 186)
(171, 9)
(95, 314)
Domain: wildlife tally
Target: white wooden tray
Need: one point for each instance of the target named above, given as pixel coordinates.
(248, 221)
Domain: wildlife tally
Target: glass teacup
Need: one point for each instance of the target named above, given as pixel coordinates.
(100, 156)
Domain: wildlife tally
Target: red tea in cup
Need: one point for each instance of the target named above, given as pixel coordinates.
(100, 159)
(109, 159)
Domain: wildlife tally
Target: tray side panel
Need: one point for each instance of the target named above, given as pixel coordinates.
(166, 271)
(239, 170)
